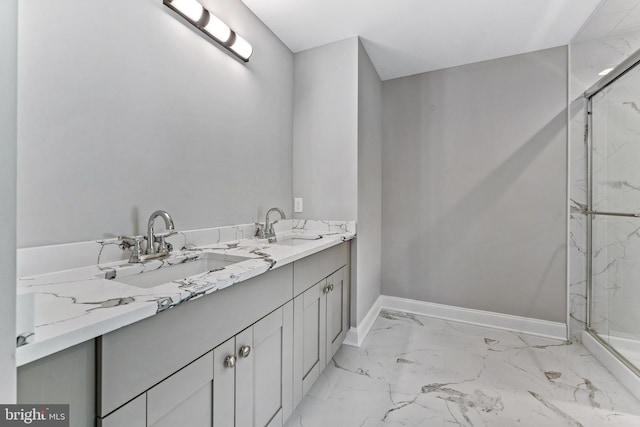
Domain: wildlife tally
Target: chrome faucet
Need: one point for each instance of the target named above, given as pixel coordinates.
(134, 243)
(152, 238)
(266, 231)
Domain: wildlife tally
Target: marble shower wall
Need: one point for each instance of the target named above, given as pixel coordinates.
(611, 35)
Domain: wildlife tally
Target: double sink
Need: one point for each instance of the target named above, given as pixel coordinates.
(176, 267)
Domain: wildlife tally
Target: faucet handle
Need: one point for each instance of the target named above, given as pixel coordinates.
(259, 230)
(163, 246)
(130, 240)
(134, 244)
(271, 232)
(167, 234)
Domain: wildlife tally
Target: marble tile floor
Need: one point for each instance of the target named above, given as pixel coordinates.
(418, 371)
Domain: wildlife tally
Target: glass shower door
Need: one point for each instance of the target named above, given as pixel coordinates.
(614, 300)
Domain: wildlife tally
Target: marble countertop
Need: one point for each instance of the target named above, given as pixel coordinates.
(66, 307)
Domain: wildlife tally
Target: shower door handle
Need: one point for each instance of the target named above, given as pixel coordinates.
(632, 215)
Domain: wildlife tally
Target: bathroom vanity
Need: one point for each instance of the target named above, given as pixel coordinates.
(241, 354)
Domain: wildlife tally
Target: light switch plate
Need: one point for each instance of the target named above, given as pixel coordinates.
(297, 205)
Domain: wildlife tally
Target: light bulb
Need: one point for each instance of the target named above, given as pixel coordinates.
(189, 8)
(217, 29)
(605, 71)
(242, 48)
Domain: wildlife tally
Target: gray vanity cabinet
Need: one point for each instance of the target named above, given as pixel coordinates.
(66, 377)
(185, 398)
(320, 325)
(253, 374)
(152, 373)
(133, 359)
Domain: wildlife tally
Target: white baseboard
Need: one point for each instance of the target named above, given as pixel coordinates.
(620, 371)
(355, 336)
(525, 325)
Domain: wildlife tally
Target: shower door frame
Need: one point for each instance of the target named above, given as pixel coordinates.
(619, 71)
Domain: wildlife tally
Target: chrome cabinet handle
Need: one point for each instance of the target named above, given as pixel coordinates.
(230, 361)
(245, 350)
(325, 290)
(331, 287)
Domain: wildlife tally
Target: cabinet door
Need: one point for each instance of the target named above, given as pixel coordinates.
(224, 384)
(309, 339)
(255, 390)
(244, 378)
(337, 311)
(185, 398)
(263, 382)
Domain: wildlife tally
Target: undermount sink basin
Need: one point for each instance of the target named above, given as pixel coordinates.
(170, 273)
(295, 240)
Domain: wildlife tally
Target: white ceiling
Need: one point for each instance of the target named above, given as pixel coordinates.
(405, 37)
(612, 18)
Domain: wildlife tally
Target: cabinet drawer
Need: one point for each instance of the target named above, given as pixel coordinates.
(310, 270)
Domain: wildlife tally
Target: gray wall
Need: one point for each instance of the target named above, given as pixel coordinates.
(369, 245)
(325, 130)
(124, 109)
(8, 138)
(337, 166)
(474, 186)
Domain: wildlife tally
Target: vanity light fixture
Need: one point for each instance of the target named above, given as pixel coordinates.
(194, 13)
(605, 71)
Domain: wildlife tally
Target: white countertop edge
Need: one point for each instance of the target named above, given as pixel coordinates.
(39, 349)
(328, 243)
